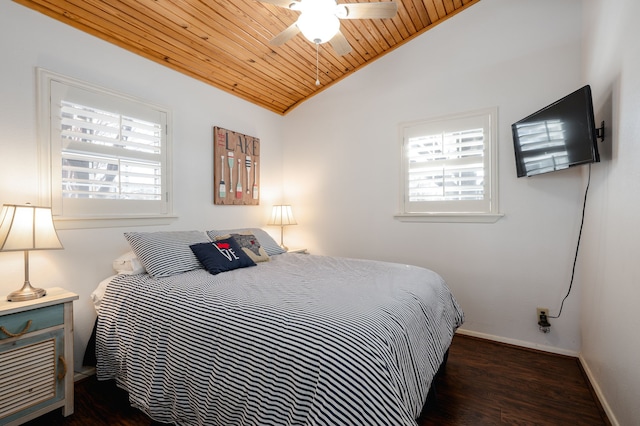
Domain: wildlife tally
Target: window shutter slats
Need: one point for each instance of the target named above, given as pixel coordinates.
(81, 148)
(95, 127)
(448, 164)
(108, 155)
(88, 115)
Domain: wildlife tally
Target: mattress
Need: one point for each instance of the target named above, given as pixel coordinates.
(298, 340)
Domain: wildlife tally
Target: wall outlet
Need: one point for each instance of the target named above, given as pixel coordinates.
(541, 311)
(542, 315)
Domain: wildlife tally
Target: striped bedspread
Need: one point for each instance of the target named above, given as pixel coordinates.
(299, 340)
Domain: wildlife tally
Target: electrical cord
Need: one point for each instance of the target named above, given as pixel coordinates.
(575, 259)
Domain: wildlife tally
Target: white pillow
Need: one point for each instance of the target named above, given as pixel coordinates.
(128, 264)
(98, 293)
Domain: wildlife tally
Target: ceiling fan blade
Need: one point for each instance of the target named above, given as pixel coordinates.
(281, 3)
(340, 44)
(285, 35)
(382, 10)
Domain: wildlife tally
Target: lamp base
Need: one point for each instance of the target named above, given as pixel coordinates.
(26, 293)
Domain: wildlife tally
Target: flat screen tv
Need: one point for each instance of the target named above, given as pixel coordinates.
(559, 136)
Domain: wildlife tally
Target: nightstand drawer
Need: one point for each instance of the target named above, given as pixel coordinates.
(18, 324)
(28, 375)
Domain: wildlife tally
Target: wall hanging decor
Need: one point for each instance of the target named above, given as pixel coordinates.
(236, 168)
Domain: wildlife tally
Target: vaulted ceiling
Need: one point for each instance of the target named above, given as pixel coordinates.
(225, 43)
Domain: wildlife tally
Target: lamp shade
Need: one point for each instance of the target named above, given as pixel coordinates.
(281, 215)
(27, 227)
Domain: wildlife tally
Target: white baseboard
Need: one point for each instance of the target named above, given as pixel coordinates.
(516, 342)
(594, 384)
(84, 373)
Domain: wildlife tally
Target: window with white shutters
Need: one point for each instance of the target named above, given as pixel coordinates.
(448, 166)
(108, 154)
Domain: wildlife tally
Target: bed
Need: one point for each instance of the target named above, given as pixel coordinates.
(294, 339)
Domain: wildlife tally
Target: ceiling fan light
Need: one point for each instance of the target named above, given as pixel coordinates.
(318, 28)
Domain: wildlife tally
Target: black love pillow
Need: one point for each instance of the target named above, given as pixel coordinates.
(221, 256)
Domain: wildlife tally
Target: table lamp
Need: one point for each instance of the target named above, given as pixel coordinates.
(282, 216)
(27, 227)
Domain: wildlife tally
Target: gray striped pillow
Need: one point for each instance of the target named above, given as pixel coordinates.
(166, 253)
(266, 241)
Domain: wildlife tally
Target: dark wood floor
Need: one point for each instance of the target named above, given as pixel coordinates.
(485, 383)
(489, 383)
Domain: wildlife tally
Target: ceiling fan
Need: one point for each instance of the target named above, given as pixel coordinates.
(319, 20)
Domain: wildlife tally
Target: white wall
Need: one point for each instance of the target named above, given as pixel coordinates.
(29, 40)
(610, 277)
(341, 158)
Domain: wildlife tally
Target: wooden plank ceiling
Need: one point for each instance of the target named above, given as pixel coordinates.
(225, 43)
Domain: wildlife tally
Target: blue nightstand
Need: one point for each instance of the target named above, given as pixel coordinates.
(36, 356)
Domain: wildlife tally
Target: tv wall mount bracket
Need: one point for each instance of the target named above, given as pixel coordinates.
(600, 132)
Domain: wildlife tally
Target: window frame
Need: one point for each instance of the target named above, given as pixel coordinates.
(458, 210)
(90, 213)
